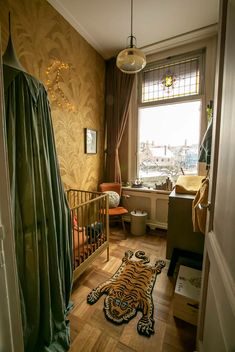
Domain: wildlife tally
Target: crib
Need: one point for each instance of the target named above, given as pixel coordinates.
(90, 227)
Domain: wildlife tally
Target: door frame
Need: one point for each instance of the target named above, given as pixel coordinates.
(217, 280)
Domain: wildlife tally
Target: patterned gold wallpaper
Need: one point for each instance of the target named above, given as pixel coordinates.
(73, 73)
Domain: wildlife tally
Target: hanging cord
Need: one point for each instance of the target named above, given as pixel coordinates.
(132, 18)
(132, 44)
(131, 38)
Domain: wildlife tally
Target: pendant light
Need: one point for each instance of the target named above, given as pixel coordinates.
(131, 59)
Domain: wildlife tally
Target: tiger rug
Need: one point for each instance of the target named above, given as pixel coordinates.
(129, 290)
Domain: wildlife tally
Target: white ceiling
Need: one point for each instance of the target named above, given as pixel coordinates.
(105, 24)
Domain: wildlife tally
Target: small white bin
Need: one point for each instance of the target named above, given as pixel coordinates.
(138, 222)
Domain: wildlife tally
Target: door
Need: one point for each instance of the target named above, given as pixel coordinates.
(11, 338)
(217, 313)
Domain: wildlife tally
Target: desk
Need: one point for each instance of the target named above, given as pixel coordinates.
(180, 227)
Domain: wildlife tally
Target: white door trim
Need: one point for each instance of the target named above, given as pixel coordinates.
(218, 260)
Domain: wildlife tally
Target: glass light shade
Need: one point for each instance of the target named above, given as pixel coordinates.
(131, 60)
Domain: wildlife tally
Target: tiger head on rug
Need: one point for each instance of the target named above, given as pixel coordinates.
(130, 290)
(120, 307)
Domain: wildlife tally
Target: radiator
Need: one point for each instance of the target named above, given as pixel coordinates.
(154, 202)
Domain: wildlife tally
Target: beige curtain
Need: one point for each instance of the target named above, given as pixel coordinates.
(118, 93)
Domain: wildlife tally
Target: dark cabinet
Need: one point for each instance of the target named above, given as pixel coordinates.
(180, 227)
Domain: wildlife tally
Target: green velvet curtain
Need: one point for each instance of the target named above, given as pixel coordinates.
(41, 216)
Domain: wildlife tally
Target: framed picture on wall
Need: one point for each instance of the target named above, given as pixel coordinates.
(90, 141)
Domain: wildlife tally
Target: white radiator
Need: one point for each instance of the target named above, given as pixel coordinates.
(154, 202)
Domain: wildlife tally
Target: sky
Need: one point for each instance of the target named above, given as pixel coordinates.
(170, 124)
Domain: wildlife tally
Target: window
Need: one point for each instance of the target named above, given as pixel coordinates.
(176, 79)
(169, 120)
(168, 141)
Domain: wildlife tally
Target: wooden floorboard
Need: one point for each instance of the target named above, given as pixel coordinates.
(92, 332)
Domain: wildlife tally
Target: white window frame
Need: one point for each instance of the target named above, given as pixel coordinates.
(200, 96)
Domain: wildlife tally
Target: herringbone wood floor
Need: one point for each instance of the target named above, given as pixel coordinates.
(91, 332)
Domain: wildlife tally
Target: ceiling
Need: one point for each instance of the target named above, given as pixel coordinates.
(105, 24)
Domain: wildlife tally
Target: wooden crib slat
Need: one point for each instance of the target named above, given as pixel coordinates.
(87, 208)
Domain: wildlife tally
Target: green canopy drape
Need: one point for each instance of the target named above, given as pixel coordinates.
(41, 216)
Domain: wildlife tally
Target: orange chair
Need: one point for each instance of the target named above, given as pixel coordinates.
(115, 214)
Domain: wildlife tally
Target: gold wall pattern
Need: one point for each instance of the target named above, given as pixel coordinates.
(73, 73)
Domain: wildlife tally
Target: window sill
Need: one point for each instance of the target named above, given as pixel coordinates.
(146, 189)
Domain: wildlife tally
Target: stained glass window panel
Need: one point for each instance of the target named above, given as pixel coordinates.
(178, 79)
